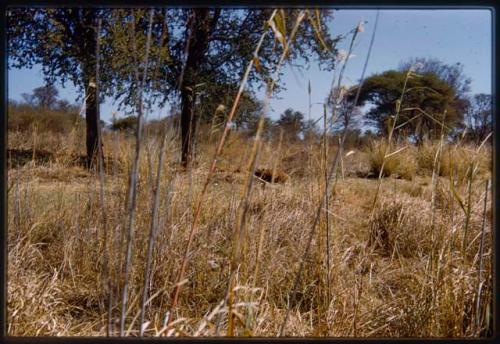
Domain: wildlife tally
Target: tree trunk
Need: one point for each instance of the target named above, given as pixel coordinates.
(188, 120)
(87, 34)
(201, 28)
(92, 123)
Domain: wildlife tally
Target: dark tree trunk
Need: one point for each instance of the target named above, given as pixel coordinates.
(188, 120)
(88, 35)
(201, 28)
(92, 123)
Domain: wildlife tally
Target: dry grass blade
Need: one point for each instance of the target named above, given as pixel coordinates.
(327, 210)
(265, 230)
(134, 172)
(332, 171)
(140, 312)
(105, 264)
(243, 207)
(481, 257)
(199, 203)
(316, 24)
(153, 230)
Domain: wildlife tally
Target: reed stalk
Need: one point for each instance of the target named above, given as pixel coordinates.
(201, 197)
(243, 207)
(132, 196)
(332, 171)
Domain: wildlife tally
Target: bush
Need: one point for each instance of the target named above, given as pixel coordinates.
(425, 156)
(402, 164)
(455, 160)
(24, 117)
(128, 123)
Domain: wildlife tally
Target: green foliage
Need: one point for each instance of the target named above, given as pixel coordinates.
(189, 47)
(452, 74)
(217, 100)
(311, 131)
(64, 42)
(232, 36)
(426, 92)
(61, 40)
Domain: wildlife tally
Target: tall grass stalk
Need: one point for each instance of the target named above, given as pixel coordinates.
(327, 209)
(332, 171)
(481, 256)
(34, 144)
(17, 204)
(201, 197)
(243, 207)
(277, 157)
(134, 172)
(338, 93)
(156, 188)
(468, 210)
(387, 147)
(436, 167)
(152, 231)
(100, 157)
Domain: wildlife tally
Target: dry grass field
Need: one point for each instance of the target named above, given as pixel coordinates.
(415, 263)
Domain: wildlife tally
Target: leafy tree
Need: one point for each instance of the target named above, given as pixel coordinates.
(478, 117)
(367, 138)
(212, 47)
(46, 96)
(424, 92)
(353, 138)
(63, 41)
(292, 122)
(452, 74)
(267, 132)
(189, 47)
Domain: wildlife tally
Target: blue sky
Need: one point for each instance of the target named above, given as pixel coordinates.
(450, 35)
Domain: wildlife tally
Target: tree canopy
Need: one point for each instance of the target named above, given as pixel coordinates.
(210, 46)
(479, 117)
(452, 74)
(425, 100)
(46, 96)
(64, 42)
(292, 123)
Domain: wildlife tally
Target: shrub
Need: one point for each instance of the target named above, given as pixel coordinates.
(402, 164)
(455, 160)
(128, 123)
(425, 156)
(24, 117)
